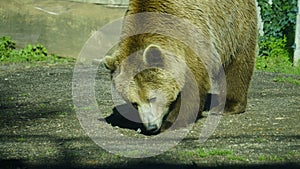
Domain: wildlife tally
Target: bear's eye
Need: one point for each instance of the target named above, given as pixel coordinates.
(135, 105)
(152, 100)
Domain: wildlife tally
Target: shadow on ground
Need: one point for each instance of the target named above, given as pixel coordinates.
(19, 164)
(125, 116)
(39, 128)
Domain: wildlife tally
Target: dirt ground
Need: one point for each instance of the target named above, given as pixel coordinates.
(39, 127)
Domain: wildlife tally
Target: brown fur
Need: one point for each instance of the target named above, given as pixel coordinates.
(228, 30)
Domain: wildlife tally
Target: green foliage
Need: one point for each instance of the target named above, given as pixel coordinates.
(279, 17)
(216, 152)
(288, 79)
(274, 56)
(279, 21)
(204, 153)
(270, 158)
(277, 44)
(7, 44)
(29, 54)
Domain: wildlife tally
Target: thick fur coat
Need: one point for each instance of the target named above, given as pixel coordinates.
(156, 56)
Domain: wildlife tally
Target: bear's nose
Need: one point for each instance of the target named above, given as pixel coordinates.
(152, 128)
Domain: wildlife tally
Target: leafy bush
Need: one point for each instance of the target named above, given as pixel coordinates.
(279, 19)
(274, 56)
(6, 45)
(277, 44)
(31, 53)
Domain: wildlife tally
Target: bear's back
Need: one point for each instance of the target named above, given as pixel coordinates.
(228, 26)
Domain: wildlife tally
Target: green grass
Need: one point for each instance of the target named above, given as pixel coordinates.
(216, 152)
(287, 69)
(30, 54)
(201, 153)
(278, 158)
(277, 65)
(43, 106)
(275, 57)
(294, 153)
(274, 158)
(288, 79)
(204, 153)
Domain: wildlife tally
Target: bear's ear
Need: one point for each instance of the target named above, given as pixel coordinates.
(109, 62)
(153, 56)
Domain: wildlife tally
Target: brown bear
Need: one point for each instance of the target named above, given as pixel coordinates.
(156, 58)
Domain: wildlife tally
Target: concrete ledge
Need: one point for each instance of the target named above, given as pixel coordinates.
(61, 26)
(111, 3)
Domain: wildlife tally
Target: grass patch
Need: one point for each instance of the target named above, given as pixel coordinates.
(275, 57)
(294, 153)
(273, 158)
(288, 79)
(276, 158)
(216, 152)
(236, 158)
(203, 153)
(30, 54)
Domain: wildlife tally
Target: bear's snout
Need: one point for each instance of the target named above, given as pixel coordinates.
(152, 128)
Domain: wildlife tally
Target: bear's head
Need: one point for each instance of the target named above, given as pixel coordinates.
(150, 80)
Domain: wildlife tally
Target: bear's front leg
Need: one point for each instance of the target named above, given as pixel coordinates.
(238, 77)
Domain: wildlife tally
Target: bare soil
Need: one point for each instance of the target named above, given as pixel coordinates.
(39, 127)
